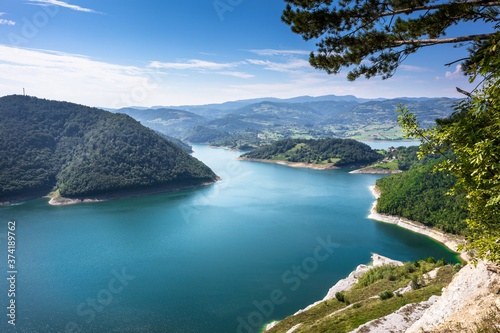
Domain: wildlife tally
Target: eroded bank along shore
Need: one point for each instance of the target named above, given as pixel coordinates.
(377, 171)
(224, 147)
(56, 200)
(367, 170)
(292, 164)
(449, 240)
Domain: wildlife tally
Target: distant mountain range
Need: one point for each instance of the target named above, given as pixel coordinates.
(227, 106)
(231, 105)
(301, 99)
(253, 122)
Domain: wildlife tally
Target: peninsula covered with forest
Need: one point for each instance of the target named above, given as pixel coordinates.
(76, 151)
(325, 153)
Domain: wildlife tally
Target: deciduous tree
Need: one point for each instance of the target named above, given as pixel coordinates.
(470, 139)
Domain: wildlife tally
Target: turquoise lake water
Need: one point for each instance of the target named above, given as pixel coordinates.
(257, 246)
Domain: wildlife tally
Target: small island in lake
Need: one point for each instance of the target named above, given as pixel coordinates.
(328, 153)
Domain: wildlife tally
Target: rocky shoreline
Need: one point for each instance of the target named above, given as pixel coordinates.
(471, 296)
(450, 241)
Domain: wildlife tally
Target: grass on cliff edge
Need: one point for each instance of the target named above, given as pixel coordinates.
(364, 308)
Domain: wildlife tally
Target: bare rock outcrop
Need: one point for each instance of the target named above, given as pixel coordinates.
(398, 321)
(472, 293)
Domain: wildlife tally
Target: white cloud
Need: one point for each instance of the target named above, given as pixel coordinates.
(237, 74)
(7, 22)
(75, 78)
(289, 66)
(204, 67)
(456, 74)
(192, 64)
(61, 4)
(410, 68)
(270, 52)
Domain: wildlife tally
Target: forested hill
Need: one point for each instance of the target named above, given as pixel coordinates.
(81, 151)
(420, 194)
(179, 143)
(337, 152)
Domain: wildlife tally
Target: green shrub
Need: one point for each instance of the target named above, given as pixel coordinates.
(431, 260)
(357, 305)
(441, 262)
(414, 283)
(387, 272)
(409, 267)
(339, 295)
(386, 295)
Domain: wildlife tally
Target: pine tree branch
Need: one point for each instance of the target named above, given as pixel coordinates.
(416, 9)
(468, 94)
(434, 41)
(454, 62)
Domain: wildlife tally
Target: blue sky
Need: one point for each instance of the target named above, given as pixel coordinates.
(117, 53)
